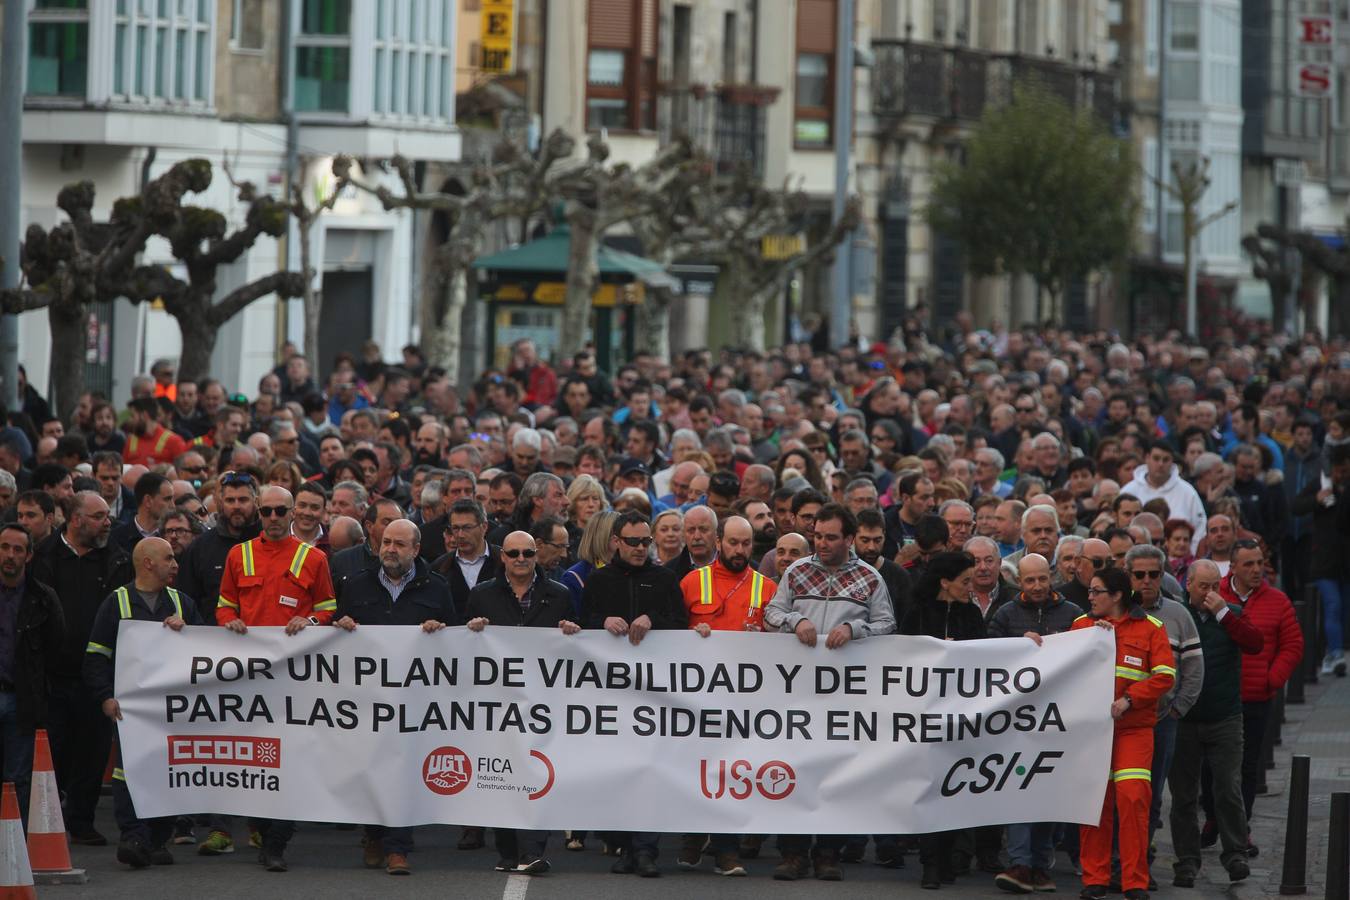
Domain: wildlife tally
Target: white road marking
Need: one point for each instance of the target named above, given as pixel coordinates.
(516, 887)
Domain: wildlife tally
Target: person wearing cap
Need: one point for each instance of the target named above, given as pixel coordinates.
(633, 473)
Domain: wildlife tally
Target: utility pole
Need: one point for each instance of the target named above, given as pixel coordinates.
(11, 184)
(841, 281)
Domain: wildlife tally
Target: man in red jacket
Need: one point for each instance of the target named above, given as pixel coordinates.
(1263, 673)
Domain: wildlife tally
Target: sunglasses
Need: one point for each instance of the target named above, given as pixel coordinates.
(637, 541)
(1099, 562)
(1137, 574)
(269, 511)
(516, 554)
(192, 470)
(233, 478)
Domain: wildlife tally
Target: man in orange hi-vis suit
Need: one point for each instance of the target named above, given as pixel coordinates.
(1145, 670)
(725, 595)
(275, 579)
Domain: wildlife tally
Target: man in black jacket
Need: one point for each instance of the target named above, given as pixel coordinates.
(30, 608)
(631, 596)
(522, 595)
(401, 590)
(468, 554)
(81, 567)
(204, 562)
(346, 564)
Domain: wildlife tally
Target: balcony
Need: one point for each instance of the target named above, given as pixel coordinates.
(916, 79)
(727, 122)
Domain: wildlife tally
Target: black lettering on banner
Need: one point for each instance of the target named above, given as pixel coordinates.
(221, 708)
(789, 675)
(586, 720)
(851, 725)
(230, 668)
(316, 667)
(509, 672)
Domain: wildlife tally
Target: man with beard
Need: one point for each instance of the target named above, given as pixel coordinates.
(204, 562)
(700, 546)
(757, 513)
(149, 442)
(429, 445)
(871, 538)
(725, 595)
(82, 569)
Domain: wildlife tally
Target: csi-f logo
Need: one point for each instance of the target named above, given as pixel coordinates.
(739, 779)
(447, 770)
(994, 771)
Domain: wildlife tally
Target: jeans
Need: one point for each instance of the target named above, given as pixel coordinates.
(81, 738)
(1333, 594)
(1220, 745)
(395, 840)
(1032, 845)
(1164, 743)
(1254, 716)
(16, 751)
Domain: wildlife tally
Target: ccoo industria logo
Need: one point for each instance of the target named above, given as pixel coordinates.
(225, 761)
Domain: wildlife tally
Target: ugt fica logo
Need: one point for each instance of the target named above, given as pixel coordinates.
(447, 770)
(739, 779)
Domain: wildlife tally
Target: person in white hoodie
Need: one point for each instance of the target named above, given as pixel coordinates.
(1160, 477)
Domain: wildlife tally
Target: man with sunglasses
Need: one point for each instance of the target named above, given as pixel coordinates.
(628, 598)
(523, 595)
(1145, 565)
(275, 579)
(203, 565)
(1094, 556)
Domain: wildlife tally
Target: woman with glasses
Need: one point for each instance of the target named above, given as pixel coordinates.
(1145, 671)
(585, 498)
(1177, 535)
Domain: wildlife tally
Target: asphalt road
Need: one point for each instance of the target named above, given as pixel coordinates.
(326, 863)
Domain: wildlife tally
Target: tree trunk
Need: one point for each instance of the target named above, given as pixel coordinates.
(582, 274)
(444, 315)
(199, 342)
(312, 304)
(68, 337)
(747, 318)
(653, 323)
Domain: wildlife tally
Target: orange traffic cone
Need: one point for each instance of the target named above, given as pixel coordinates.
(16, 878)
(47, 846)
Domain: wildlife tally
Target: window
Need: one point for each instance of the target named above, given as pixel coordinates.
(246, 25)
(58, 48)
(328, 17)
(321, 78)
(814, 85)
(412, 53)
(621, 64)
(1184, 28)
(163, 52)
(729, 35)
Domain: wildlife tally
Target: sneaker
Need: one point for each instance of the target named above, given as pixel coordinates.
(890, 856)
(471, 838)
(183, 831)
(372, 853)
(576, 844)
(1238, 870)
(624, 865)
(1042, 882)
(645, 866)
(1016, 880)
(134, 854)
(1136, 894)
(1209, 833)
(793, 868)
(728, 864)
(273, 861)
(160, 856)
(90, 838)
(1252, 850)
(827, 866)
(1093, 892)
(397, 864)
(691, 851)
(1338, 664)
(254, 839)
(217, 843)
(1184, 878)
(505, 865)
(535, 865)
(750, 845)
(853, 852)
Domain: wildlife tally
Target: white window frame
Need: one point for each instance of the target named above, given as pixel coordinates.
(182, 24)
(64, 16)
(410, 36)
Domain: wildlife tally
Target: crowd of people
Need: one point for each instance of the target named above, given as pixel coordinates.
(994, 485)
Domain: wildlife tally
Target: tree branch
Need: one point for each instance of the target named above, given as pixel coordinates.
(283, 284)
(20, 300)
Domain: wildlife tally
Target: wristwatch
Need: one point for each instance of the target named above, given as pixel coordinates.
(314, 620)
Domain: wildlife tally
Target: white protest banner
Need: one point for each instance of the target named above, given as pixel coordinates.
(529, 728)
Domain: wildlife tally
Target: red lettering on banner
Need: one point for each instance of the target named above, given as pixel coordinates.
(225, 750)
(447, 770)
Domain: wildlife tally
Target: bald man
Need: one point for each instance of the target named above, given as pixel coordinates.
(344, 532)
(401, 590)
(790, 548)
(148, 598)
(521, 595)
(1036, 610)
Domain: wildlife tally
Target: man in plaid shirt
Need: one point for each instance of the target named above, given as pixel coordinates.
(834, 592)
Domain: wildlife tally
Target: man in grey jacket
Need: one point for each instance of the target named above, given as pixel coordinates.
(831, 592)
(1145, 565)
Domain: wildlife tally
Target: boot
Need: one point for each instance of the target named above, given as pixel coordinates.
(827, 866)
(793, 868)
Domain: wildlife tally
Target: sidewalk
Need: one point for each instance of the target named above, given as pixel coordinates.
(1320, 729)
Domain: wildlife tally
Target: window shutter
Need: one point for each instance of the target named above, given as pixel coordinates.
(611, 23)
(815, 25)
(649, 15)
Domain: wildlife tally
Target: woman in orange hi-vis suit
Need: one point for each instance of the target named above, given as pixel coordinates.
(1145, 671)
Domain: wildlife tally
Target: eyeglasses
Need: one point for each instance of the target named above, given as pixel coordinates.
(1141, 575)
(637, 541)
(169, 531)
(556, 545)
(200, 512)
(516, 554)
(192, 470)
(461, 529)
(229, 479)
(269, 511)
(1097, 592)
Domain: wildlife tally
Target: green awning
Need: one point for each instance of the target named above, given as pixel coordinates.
(548, 256)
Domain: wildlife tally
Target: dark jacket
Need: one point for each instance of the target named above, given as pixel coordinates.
(682, 565)
(631, 592)
(38, 640)
(942, 620)
(203, 565)
(1329, 556)
(433, 537)
(126, 536)
(1223, 643)
(80, 583)
(101, 648)
(1016, 618)
(495, 601)
(898, 584)
(446, 567)
(346, 564)
(427, 596)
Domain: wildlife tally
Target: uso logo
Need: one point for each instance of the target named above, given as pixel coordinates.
(739, 779)
(447, 770)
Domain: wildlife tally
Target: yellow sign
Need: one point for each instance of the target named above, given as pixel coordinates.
(498, 37)
(553, 293)
(782, 246)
